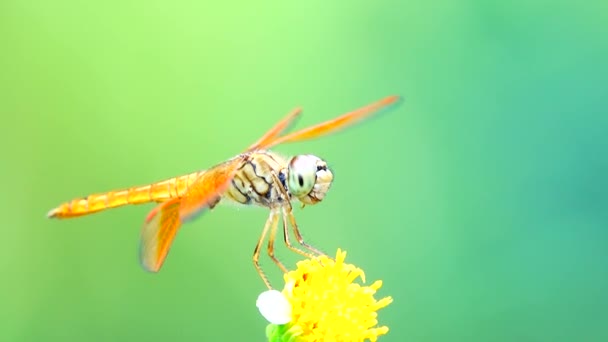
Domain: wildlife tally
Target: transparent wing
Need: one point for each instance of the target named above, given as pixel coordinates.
(275, 131)
(333, 125)
(158, 233)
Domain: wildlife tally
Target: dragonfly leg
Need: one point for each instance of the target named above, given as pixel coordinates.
(274, 216)
(256, 252)
(288, 243)
(279, 186)
(292, 220)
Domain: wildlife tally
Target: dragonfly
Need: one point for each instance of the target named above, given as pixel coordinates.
(257, 176)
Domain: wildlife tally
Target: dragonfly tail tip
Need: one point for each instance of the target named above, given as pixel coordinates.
(52, 213)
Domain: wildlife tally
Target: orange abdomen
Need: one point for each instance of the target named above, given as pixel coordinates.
(156, 192)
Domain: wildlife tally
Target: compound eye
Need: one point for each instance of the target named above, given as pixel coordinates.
(302, 175)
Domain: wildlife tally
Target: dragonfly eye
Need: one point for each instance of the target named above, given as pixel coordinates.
(309, 178)
(302, 175)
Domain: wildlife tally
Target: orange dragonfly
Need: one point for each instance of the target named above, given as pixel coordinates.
(256, 176)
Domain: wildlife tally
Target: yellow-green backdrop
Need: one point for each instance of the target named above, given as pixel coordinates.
(481, 201)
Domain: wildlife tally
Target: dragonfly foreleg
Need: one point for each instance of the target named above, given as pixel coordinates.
(288, 215)
(287, 203)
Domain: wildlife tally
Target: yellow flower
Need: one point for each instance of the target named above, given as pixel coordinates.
(326, 305)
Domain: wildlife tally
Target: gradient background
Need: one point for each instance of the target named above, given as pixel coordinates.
(481, 201)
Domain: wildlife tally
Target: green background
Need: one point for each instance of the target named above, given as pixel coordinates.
(481, 201)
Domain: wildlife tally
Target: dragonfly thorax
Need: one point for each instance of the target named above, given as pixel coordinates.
(308, 178)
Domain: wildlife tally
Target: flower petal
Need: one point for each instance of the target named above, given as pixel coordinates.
(274, 307)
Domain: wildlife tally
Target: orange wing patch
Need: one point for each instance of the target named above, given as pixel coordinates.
(333, 125)
(275, 131)
(208, 188)
(164, 221)
(158, 233)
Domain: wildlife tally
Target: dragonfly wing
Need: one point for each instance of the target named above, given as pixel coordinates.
(164, 221)
(275, 131)
(334, 125)
(208, 188)
(158, 233)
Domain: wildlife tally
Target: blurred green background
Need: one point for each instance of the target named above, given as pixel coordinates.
(481, 201)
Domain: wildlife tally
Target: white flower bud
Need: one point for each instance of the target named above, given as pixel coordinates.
(274, 307)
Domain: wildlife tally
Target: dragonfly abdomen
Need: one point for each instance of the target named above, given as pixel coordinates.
(156, 192)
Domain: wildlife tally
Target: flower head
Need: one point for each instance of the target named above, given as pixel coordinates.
(327, 305)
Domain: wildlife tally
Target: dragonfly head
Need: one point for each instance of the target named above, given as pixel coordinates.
(309, 178)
